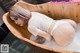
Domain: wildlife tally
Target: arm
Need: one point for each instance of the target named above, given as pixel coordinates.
(35, 31)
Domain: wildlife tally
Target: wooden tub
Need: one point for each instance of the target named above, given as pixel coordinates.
(54, 10)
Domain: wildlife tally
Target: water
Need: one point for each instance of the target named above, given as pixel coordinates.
(73, 46)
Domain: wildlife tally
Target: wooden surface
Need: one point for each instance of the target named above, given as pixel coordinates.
(56, 11)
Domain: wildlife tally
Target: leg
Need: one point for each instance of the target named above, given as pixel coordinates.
(73, 23)
(63, 37)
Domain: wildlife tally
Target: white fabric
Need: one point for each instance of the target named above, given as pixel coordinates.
(39, 22)
(58, 23)
(74, 46)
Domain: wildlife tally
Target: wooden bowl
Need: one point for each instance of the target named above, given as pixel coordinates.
(55, 11)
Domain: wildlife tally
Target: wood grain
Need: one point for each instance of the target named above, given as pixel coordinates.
(55, 11)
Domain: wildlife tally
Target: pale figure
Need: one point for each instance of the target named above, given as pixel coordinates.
(62, 31)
